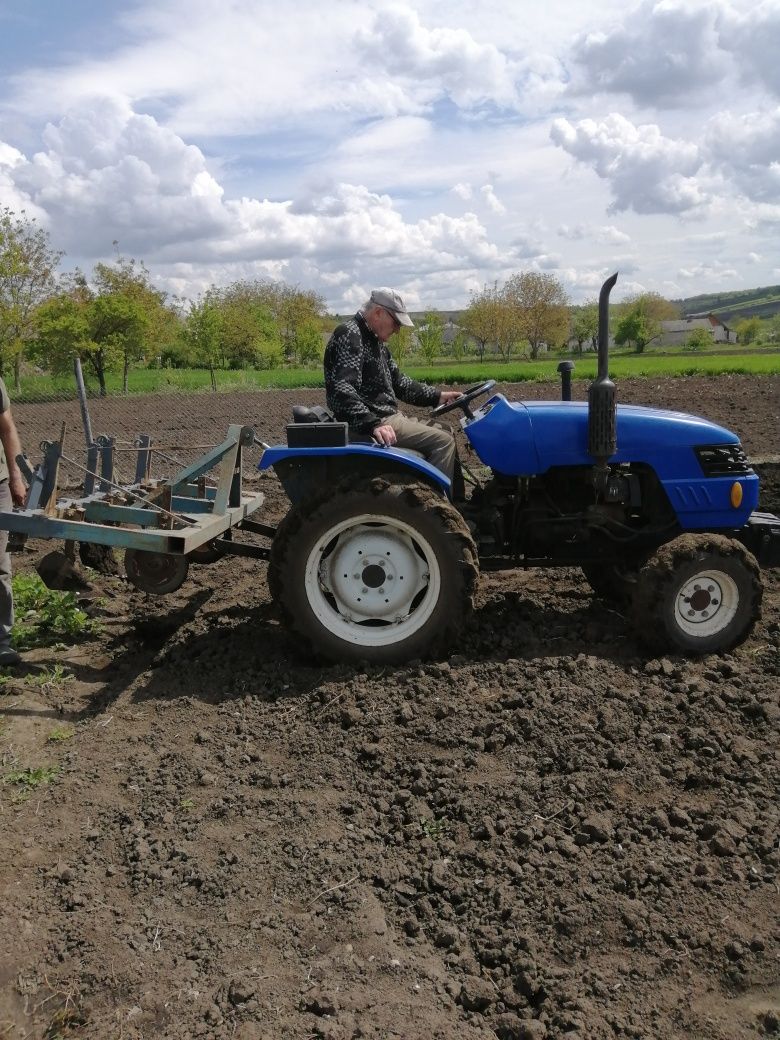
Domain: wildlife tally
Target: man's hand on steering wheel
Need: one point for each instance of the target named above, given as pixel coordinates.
(451, 399)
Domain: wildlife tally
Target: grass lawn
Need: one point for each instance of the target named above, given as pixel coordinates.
(443, 370)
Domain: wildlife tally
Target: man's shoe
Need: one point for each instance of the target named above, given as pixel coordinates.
(9, 657)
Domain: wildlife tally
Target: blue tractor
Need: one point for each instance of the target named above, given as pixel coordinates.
(374, 562)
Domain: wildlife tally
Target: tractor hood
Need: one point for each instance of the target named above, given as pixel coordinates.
(526, 438)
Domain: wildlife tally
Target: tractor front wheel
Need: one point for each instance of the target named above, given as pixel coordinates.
(699, 594)
(377, 571)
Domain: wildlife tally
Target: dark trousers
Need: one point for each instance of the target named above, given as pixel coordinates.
(6, 592)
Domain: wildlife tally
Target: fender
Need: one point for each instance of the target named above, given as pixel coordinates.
(304, 471)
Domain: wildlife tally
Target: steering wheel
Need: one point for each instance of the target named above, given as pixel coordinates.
(465, 399)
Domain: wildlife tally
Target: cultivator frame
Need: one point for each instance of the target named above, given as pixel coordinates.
(153, 520)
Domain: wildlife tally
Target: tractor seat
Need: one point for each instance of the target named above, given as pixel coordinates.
(330, 432)
(316, 427)
(318, 414)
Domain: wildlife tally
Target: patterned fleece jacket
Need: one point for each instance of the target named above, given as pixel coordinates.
(362, 382)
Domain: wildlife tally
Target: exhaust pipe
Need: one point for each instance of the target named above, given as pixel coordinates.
(602, 410)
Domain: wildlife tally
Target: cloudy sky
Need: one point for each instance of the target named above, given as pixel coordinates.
(433, 145)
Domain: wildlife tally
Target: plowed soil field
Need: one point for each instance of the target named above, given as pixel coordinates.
(546, 834)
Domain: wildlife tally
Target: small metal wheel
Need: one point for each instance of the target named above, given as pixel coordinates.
(157, 573)
(209, 552)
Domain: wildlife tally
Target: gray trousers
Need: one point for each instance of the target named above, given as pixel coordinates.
(435, 442)
(6, 593)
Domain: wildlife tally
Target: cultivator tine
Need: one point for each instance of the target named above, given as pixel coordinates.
(90, 475)
(144, 458)
(106, 448)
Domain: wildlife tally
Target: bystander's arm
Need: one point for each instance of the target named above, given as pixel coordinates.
(12, 447)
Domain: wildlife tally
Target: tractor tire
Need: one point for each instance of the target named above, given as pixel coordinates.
(377, 571)
(699, 594)
(615, 585)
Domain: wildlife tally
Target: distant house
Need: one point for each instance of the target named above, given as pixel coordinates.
(673, 332)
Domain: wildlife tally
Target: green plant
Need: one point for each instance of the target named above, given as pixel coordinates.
(59, 734)
(699, 339)
(30, 778)
(56, 676)
(434, 829)
(45, 616)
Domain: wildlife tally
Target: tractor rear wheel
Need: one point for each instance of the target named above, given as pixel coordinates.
(699, 594)
(378, 571)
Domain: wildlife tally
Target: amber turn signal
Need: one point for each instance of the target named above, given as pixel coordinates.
(736, 495)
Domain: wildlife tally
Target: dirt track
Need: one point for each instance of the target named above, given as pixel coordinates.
(543, 835)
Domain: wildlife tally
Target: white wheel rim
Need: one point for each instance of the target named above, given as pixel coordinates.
(706, 604)
(372, 580)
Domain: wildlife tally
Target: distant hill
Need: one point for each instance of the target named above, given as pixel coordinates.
(733, 306)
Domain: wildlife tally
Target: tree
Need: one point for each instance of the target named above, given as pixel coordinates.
(585, 325)
(127, 312)
(699, 339)
(27, 269)
(508, 331)
(430, 336)
(480, 319)
(458, 344)
(640, 317)
(540, 307)
(202, 332)
(66, 330)
(63, 331)
(749, 330)
(400, 344)
(308, 342)
(113, 322)
(252, 323)
(294, 310)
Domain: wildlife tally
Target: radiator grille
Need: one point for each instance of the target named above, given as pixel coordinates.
(723, 460)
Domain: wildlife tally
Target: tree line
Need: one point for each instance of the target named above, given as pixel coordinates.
(115, 319)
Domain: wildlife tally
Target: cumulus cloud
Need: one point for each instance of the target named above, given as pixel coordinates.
(450, 63)
(646, 171)
(764, 219)
(709, 272)
(746, 150)
(605, 234)
(752, 33)
(12, 194)
(462, 190)
(324, 63)
(109, 174)
(494, 203)
(666, 52)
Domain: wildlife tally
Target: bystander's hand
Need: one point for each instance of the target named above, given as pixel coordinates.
(18, 490)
